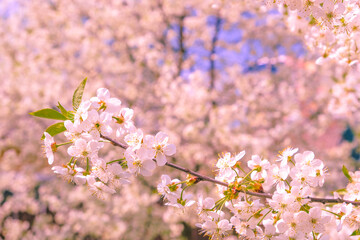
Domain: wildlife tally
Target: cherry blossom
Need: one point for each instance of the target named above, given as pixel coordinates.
(158, 147)
(50, 147)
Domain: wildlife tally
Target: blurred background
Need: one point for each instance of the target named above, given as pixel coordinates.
(216, 76)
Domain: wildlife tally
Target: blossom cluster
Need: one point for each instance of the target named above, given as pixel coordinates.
(332, 26)
(131, 47)
(262, 200)
(289, 212)
(93, 121)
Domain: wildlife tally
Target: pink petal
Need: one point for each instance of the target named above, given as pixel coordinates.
(169, 149)
(160, 159)
(161, 137)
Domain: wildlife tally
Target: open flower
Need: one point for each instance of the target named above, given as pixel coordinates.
(124, 119)
(158, 147)
(227, 161)
(259, 166)
(286, 155)
(170, 189)
(50, 147)
(134, 139)
(103, 101)
(139, 163)
(82, 148)
(99, 189)
(215, 229)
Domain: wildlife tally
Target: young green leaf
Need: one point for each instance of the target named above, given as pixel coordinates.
(78, 94)
(62, 109)
(341, 191)
(55, 129)
(356, 232)
(346, 173)
(48, 113)
(68, 114)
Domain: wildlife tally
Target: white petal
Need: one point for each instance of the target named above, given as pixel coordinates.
(169, 149)
(72, 151)
(103, 93)
(149, 140)
(50, 157)
(160, 159)
(161, 137)
(328, 6)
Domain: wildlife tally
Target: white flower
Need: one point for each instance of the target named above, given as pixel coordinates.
(182, 202)
(139, 163)
(82, 148)
(50, 147)
(227, 161)
(352, 191)
(170, 189)
(307, 170)
(291, 225)
(329, 11)
(82, 112)
(70, 173)
(103, 101)
(301, 176)
(64, 171)
(305, 158)
(205, 208)
(99, 189)
(284, 202)
(74, 129)
(117, 175)
(344, 211)
(98, 122)
(245, 209)
(158, 147)
(79, 177)
(300, 194)
(259, 166)
(134, 139)
(286, 155)
(277, 176)
(215, 229)
(270, 230)
(124, 119)
(318, 173)
(314, 221)
(355, 176)
(242, 227)
(227, 175)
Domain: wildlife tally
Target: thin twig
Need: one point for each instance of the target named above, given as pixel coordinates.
(257, 194)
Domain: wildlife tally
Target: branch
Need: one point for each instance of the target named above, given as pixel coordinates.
(181, 44)
(257, 194)
(212, 51)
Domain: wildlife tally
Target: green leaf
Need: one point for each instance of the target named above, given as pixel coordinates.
(62, 109)
(48, 113)
(305, 208)
(55, 129)
(68, 114)
(356, 232)
(341, 191)
(78, 94)
(346, 173)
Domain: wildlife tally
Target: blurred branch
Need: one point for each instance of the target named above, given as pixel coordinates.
(212, 52)
(182, 50)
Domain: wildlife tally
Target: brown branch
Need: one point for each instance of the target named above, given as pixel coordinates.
(181, 44)
(214, 41)
(257, 194)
